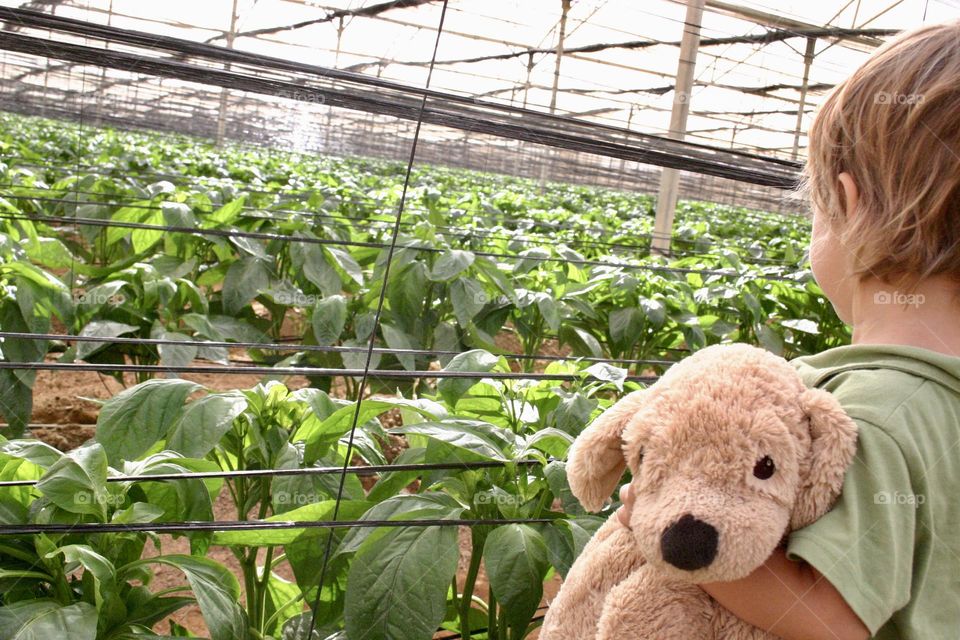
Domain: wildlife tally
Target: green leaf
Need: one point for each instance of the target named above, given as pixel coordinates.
(397, 585)
(309, 259)
(769, 339)
(102, 570)
(47, 619)
(329, 318)
(177, 214)
(803, 325)
(551, 441)
(314, 512)
(451, 264)
(143, 239)
(608, 373)
(397, 339)
(204, 422)
(346, 262)
(217, 592)
(556, 474)
(549, 310)
(471, 440)
(468, 298)
(133, 421)
(101, 329)
(244, 280)
(582, 341)
(655, 311)
(625, 325)
(422, 506)
(515, 556)
(226, 214)
(452, 389)
(566, 539)
(77, 482)
(175, 355)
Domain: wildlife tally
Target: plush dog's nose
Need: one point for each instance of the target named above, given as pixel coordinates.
(689, 543)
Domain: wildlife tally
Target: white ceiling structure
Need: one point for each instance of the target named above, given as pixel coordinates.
(746, 95)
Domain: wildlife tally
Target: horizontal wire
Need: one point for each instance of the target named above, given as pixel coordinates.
(250, 525)
(766, 216)
(378, 245)
(295, 371)
(218, 55)
(537, 239)
(299, 471)
(448, 111)
(19, 335)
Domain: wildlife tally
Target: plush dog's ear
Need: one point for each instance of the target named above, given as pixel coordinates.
(833, 436)
(596, 463)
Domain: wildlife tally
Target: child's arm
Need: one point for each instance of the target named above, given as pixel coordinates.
(790, 599)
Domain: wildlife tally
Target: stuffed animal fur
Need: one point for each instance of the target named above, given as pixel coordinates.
(728, 451)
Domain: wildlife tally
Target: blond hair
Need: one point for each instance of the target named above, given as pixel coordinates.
(894, 125)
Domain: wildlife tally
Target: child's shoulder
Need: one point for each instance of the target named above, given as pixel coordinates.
(894, 387)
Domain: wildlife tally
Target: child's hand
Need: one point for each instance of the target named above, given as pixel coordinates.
(627, 498)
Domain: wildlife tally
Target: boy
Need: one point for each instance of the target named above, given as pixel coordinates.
(884, 178)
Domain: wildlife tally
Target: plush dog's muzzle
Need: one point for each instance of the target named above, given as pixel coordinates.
(689, 543)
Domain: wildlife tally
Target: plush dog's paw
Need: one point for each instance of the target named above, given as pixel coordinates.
(645, 606)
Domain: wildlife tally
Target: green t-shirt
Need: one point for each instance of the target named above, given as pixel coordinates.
(891, 544)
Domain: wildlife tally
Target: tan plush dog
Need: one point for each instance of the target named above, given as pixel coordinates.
(729, 451)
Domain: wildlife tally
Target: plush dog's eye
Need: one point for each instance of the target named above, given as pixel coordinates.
(764, 468)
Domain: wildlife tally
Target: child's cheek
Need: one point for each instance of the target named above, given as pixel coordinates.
(829, 266)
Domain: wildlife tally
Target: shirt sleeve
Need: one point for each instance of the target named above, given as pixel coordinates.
(864, 545)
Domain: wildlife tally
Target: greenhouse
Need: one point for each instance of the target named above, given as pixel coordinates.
(303, 303)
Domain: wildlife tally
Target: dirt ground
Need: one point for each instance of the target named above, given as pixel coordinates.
(66, 405)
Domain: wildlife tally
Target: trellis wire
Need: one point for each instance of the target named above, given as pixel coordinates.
(458, 112)
(298, 471)
(295, 371)
(273, 346)
(375, 245)
(248, 525)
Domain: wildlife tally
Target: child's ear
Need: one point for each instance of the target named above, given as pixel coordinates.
(851, 195)
(833, 443)
(596, 463)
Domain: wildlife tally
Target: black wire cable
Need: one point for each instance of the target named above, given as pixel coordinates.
(385, 374)
(468, 234)
(765, 216)
(696, 154)
(370, 470)
(450, 111)
(306, 347)
(247, 525)
(379, 245)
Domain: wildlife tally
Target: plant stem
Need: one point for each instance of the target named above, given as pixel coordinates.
(476, 554)
(492, 631)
